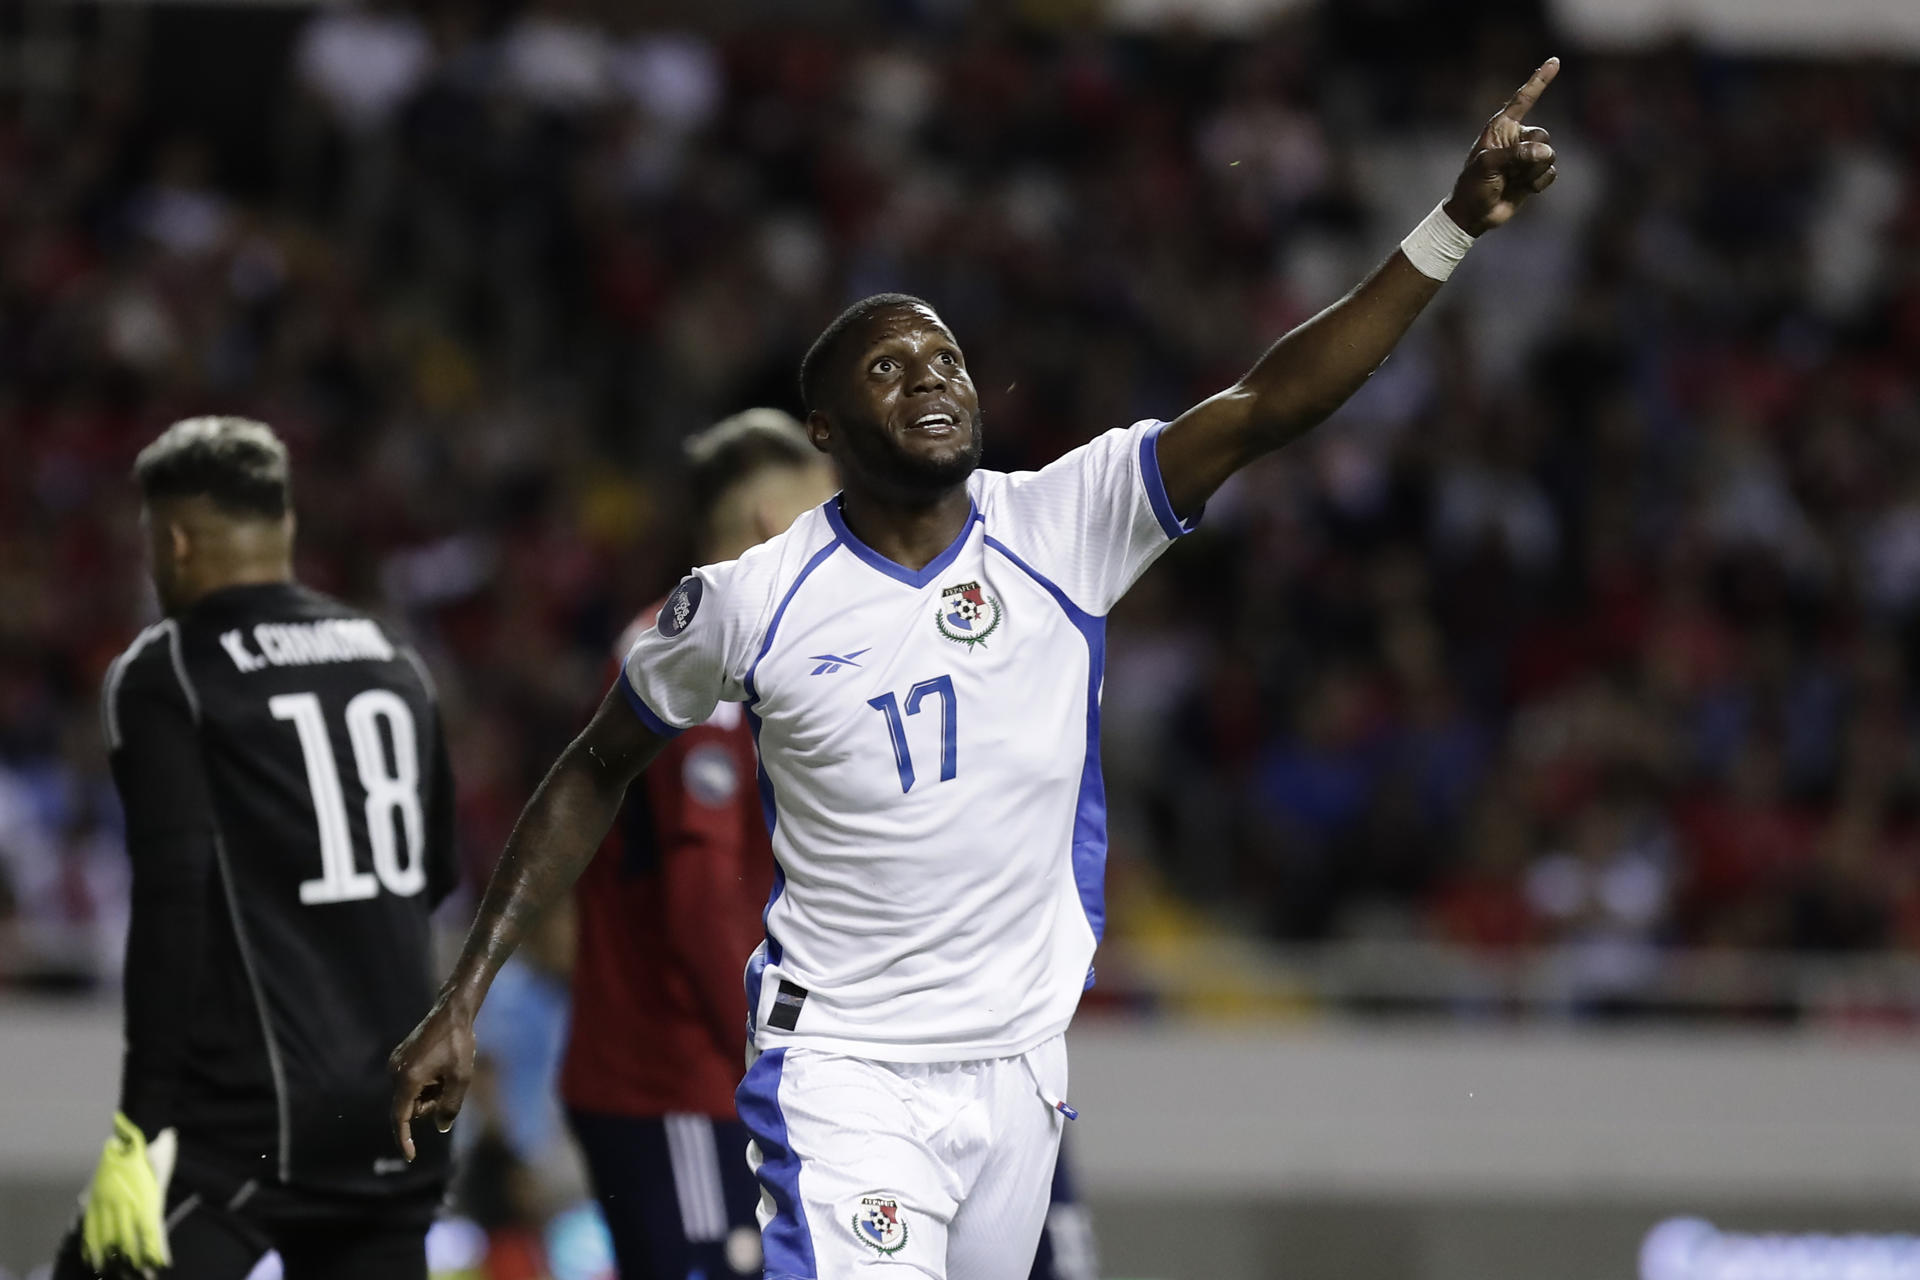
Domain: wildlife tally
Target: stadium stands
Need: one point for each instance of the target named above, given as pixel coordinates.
(1590, 626)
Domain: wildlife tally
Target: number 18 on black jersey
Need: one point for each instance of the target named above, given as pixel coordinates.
(289, 817)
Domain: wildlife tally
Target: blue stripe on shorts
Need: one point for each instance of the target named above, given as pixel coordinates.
(787, 1243)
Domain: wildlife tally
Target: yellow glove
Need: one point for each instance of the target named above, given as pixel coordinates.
(126, 1214)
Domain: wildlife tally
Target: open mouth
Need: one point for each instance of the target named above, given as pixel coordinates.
(938, 422)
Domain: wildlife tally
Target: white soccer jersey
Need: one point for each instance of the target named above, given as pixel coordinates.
(930, 753)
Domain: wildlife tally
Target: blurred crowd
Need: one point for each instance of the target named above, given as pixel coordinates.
(1592, 623)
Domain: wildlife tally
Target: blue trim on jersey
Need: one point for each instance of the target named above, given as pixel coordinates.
(769, 809)
(787, 1242)
(899, 572)
(647, 715)
(1090, 814)
(1157, 486)
(775, 952)
(768, 813)
(754, 978)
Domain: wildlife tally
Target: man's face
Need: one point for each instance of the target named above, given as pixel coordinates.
(903, 415)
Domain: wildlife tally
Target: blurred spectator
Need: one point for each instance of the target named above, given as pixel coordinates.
(1603, 895)
(363, 62)
(556, 61)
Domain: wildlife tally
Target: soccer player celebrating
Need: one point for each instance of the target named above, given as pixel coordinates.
(668, 913)
(289, 817)
(937, 811)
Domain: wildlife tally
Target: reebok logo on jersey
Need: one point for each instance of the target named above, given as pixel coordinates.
(967, 615)
(879, 1224)
(832, 662)
(680, 607)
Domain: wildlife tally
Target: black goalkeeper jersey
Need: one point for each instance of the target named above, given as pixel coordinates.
(289, 817)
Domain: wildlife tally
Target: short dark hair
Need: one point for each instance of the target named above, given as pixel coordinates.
(818, 361)
(239, 463)
(737, 448)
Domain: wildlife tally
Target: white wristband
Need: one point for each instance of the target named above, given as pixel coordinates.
(1436, 246)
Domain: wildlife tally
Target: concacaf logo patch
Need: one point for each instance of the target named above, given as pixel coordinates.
(967, 615)
(680, 607)
(879, 1224)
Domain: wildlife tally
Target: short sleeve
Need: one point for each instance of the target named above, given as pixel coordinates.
(1095, 519)
(682, 666)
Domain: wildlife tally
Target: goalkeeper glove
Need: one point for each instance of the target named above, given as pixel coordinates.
(126, 1213)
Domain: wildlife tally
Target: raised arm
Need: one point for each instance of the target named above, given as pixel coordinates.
(556, 837)
(1312, 371)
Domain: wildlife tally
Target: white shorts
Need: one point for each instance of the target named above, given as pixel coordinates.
(941, 1168)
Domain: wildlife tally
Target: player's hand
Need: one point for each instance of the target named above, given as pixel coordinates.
(1509, 161)
(126, 1215)
(431, 1071)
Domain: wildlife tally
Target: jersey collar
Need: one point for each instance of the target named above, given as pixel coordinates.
(899, 572)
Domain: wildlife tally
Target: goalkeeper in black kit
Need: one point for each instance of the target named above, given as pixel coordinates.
(289, 818)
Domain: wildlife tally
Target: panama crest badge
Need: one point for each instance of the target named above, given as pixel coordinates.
(879, 1224)
(967, 614)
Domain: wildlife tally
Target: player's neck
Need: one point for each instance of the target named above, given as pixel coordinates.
(910, 535)
(219, 572)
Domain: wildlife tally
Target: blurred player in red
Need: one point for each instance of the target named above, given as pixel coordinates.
(669, 911)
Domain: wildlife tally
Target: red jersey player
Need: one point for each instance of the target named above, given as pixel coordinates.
(669, 912)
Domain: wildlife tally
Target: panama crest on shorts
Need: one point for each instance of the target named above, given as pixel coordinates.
(967, 614)
(879, 1224)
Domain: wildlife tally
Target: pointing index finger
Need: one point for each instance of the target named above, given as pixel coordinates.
(1529, 93)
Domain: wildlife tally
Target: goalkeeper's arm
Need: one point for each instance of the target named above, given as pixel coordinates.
(157, 769)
